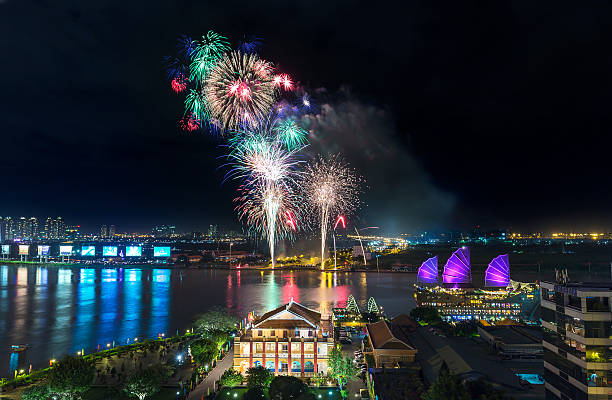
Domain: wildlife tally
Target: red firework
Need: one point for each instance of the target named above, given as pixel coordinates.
(284, 81)
(189, 123)
(179, 84)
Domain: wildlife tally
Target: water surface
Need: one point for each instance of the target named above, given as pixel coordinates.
(59, 311)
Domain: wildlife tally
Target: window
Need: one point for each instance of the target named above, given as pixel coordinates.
(309, 346)
(260, 333)
(295, 347)
(597, 304)
(309, 333)
(272, 333)
(285, 347)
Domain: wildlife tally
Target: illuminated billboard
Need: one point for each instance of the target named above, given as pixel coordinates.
(6, 249)
(88, 251)
(24, 249)
(133, 251)
(109, 251)
(43, 250)
(161, 251)
(65, 250)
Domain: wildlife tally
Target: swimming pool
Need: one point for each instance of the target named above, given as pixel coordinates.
(534, 379)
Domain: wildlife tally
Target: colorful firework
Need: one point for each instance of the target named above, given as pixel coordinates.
(250, 44)
(205, 54)
(189, 123)
(179, 83)
(290, 133)
(268, 202)
(331, 188)
(239, 90)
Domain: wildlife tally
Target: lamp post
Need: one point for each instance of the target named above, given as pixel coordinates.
(340, 219)
(230, 255)
(365, 263)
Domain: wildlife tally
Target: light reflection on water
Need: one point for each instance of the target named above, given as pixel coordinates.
(58, 311)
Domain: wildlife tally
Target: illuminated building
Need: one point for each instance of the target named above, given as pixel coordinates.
(111, 231)
(289, 340)
(576, 322)
(456, 300)
(7, 228)
(55, 228)
(103, 232)
(164, 231)
(72, 232)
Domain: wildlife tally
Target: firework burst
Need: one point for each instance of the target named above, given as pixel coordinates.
(331, 189)
(205, 54)
(290, 133)
(268, 200)
(240, 90)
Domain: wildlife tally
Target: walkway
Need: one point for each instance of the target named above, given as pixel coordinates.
(209, 382)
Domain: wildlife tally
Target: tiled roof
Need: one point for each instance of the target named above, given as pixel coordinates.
(387, 336)
(309, 315)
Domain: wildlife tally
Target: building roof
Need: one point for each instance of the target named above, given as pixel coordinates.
(384, 335)
(289, 315)
(516, 334)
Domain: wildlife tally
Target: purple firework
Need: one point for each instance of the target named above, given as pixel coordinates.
(457, 268)
(498, 272)
(428, 271)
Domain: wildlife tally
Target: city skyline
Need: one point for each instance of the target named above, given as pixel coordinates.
(441, 143)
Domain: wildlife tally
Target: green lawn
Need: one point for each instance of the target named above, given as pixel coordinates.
(98, 394)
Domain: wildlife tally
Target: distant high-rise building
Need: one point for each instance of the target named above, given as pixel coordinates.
(103, 232)
(33, 228)
(111, 232)
(164, 231)
(7, 228)
(22, 227)
(212, 231)
(72, 232)
(55, 228)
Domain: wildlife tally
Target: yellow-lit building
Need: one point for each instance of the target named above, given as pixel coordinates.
(289, 340)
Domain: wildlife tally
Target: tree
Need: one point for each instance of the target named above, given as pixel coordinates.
(429, 315)
(254, 393)
(231, 377)
(448, 387)
(259, 377)
(216, 320)
(37, 392)
(143, 383)
(71, 376)
(219, 338)
(203, 351)
(286, 387)
(341, 368)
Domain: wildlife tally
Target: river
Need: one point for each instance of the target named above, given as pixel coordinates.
(60, 310)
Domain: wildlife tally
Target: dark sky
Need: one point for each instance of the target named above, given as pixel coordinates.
(456, 112)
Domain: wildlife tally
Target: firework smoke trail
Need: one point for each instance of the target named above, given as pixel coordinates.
(268, 200)
(240, 90)
(331, 188)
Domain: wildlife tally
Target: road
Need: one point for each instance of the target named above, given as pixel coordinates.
(353, 387)
(209, 382)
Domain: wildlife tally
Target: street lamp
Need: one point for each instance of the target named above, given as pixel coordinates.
(361, 243)
(340, 219)
(230, 255)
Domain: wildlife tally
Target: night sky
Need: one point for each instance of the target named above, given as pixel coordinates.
(456, 112)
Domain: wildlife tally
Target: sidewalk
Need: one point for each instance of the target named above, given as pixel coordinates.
(209, 382)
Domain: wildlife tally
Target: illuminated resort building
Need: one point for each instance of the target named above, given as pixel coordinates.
(456, 299)
(577, 328)
(289, 340)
